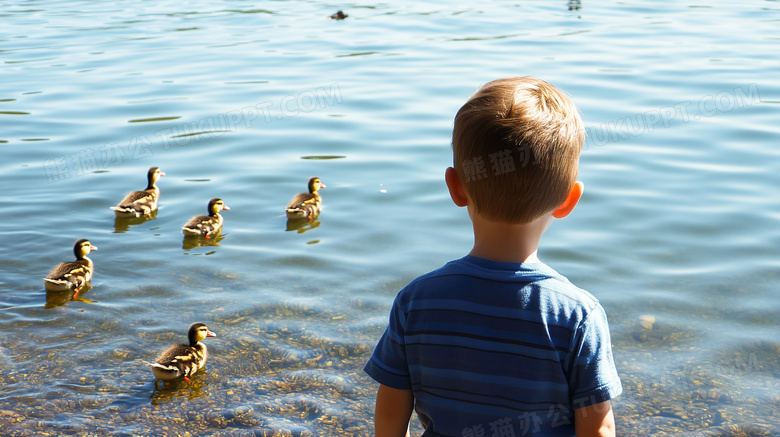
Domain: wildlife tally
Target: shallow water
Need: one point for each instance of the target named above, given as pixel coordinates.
(676, 235)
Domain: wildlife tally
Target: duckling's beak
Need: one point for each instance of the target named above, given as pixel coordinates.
(92, 247)
(210, 334)
(225, 207)
(162, 173)
(322, 185)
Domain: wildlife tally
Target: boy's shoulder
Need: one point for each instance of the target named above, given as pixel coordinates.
(478, 279)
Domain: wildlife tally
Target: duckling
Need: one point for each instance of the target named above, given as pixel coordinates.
(340, 15)
(184, 359)
(207, 225)
(72, 275)
(140, 203)
(306, 205)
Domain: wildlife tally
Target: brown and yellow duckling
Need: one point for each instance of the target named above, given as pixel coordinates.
(206, 225)
(72, 275)
(306, 205)
(185, 359)
(141, 203)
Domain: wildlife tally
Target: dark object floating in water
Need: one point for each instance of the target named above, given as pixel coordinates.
(340, 15)
(147, 120)
(323, 157)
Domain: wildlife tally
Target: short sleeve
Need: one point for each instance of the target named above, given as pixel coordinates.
(593, 378)
(388, 365)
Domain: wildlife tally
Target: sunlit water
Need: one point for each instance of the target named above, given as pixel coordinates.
(677, 234)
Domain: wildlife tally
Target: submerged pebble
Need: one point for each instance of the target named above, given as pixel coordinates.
(741, 430)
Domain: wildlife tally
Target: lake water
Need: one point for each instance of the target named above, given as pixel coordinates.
(677, 233)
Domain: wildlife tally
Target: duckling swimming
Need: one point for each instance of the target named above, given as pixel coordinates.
(72, 275)
(185, 359)
(141, 203)
(207, 225)
(306, 205)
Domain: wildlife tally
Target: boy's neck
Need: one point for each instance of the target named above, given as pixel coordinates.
(507, 242)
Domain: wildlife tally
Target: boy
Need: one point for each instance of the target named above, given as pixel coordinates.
(497, 343)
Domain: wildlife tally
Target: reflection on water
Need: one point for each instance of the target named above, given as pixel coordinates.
(302, 225)
(178, 389)
(122, 224)
(190, 242)
(56, 299)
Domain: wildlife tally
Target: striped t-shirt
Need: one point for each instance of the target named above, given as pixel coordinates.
(497, 349)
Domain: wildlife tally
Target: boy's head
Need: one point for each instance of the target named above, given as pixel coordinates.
(516, 144)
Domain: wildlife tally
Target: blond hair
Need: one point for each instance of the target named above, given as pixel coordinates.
(516, 146)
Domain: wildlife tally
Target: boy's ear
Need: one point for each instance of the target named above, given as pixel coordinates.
(571, 200)
(457, 193)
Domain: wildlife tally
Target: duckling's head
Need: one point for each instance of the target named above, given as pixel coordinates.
(154, 175)
(315, 184)
(197, 332)
(340, 15)
(82, 248)
(216, 205)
